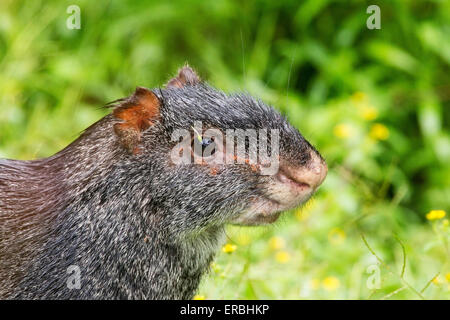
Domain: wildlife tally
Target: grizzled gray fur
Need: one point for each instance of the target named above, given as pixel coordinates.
(137, 226)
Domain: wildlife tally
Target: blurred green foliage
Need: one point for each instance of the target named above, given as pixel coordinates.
(374, 102)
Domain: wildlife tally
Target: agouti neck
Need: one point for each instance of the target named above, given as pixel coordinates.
(78, 208)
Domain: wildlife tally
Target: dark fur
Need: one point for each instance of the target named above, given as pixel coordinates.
(138, 226)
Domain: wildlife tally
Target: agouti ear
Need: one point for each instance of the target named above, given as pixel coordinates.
(186, 77)
(137, 113)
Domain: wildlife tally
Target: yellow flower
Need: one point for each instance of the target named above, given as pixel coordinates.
(379, 132)
(435, 214)
(368, 113)
(342, 131)
(331, 283)
(336, 236)
(304, 212)
(358, 97)
(282, 256)
(435, 280)
(277, 243)
(199, 297)
(314, 284)
(300, 214)
(229, 248)
(447, 277)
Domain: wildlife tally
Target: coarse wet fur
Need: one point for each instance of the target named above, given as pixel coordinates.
(114, 205)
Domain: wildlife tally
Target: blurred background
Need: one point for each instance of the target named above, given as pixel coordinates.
(375, 103)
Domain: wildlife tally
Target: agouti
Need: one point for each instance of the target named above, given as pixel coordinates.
(135, 208)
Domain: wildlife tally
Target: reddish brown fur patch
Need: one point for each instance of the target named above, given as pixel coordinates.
(253, 166)
(137, 115)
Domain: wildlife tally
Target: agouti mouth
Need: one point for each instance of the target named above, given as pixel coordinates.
(284, 177)
(285, 192)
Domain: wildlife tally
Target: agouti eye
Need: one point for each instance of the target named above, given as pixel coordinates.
(203, 147)
(206, 142)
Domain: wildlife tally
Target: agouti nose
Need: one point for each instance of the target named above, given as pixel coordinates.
(311, 175)
(317, 172)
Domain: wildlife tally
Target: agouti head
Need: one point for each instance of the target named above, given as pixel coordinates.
(209, 158)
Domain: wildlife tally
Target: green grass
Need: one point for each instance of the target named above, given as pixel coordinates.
(374, 102)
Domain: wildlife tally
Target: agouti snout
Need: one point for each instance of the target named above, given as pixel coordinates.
(138, 203)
